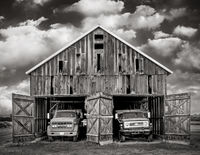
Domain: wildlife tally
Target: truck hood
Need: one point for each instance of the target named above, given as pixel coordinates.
(135, 119)
(63, 119)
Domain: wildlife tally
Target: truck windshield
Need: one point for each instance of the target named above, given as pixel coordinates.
(65, 114)
(133, 115)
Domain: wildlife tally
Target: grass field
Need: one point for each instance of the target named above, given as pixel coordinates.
(86, 148)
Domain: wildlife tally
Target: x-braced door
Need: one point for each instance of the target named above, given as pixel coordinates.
(99, 118)
(22, 118)
(177, 118)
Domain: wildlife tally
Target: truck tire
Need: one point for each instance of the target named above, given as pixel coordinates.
(50, 138)
(150, 138)
(75, 138)
(121, 137)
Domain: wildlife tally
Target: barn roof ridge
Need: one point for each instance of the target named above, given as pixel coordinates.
(83, 35)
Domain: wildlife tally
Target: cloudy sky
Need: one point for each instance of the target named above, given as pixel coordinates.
(167, 30)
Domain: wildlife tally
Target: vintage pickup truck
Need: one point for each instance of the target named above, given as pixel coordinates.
(65, 123)
(134, 123)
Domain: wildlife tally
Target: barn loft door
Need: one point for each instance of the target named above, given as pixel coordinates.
(177, 118)
(99, 118)
(22, 118)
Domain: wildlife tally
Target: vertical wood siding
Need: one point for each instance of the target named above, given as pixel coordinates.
(80, 70)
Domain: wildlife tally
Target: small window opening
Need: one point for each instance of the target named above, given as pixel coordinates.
(128, 88)
(51, 89)
(78, 54)
(60, 66)
(137, 65)
(120, 57)
(71, 85)
(120, 68)
(71, 90)
(98, 36)
(98, 62)
(78, 68)
(98, 46)
(149, 84)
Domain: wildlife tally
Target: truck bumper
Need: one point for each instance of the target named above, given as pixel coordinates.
(54, 133)
(135, 132)
(61, 134)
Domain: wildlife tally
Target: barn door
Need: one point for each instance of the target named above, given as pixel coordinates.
(177, 118)
(99, 118)
(22, 118)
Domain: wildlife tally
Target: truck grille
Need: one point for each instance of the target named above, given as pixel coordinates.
(135, 124)
(62, 124)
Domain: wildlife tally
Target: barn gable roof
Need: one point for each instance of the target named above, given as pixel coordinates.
(109, 32)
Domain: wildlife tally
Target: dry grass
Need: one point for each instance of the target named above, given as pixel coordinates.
(86, 148)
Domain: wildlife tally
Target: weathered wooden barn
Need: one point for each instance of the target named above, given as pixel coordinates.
(100, 73)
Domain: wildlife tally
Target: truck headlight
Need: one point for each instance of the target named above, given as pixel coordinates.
(146, 123)
(69, 125)
(54, 126)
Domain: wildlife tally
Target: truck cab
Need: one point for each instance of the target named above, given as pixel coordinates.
(65, 123)
(134, 123)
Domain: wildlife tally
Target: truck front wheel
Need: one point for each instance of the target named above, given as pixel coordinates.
(150, 138)
(121, 137)
(50, 138)
(75, 138)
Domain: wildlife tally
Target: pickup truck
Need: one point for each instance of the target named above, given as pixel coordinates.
(134, 123)
(65, 123)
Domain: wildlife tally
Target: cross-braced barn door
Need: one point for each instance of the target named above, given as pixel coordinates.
(22, 118)
(99, 118)
(177, 118)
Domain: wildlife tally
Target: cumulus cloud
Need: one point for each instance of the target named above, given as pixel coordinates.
(182, 82)
(109, 21)
(163, 46)
(41, 2)
(96, 7)
(145, 17)
(188, 57)
(28, 43)
(175, 13)
(126, 34)
(31, 22)
(38, 2)
(185, 31)
(2, 18)
(160, 34)
(6, 95)
(110, 14)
